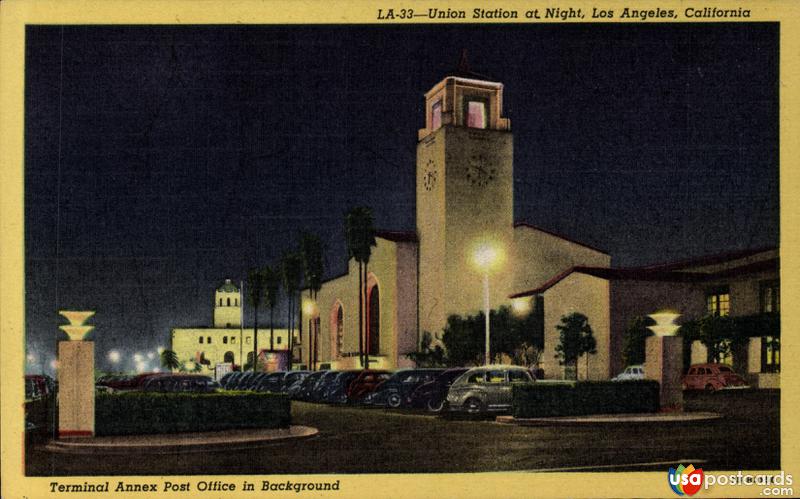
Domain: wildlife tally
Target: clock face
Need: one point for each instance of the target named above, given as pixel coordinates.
(479, 171)
(430, 176)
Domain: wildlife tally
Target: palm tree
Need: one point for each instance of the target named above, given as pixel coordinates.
(312, 251)
(169, 360)
(272, 285)
(360, 238)
(255, 282)
(292, 271)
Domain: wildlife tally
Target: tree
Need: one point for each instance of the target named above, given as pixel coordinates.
(256, 280)
(576, 338)
(169, 360)
(464, 337)
(312, 251)
(272, 284)
(427, 356)
(292, 272)
(360, 238)
(636, 334)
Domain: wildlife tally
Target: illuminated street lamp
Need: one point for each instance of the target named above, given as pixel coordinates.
(114, 357)
(487, 256)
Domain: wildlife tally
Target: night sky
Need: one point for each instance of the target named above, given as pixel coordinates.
(161, 160)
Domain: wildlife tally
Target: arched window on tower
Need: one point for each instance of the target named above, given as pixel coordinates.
(229, 302)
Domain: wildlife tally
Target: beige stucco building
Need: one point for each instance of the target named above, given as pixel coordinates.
(464, 212)
(464, 209)
(226, 341)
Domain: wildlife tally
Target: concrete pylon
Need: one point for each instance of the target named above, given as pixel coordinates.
(664, 360)
(76, 378)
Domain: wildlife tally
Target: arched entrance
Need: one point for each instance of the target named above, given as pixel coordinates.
(374, 320)
(337, 330)
(228, 357)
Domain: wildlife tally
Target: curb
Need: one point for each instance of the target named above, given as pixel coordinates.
(611, 419)
(178, 443)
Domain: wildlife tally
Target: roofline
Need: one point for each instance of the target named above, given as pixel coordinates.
(709, 259)
(643, 274)
(560, 236)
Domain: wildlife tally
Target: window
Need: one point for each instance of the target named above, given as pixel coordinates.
(339, 330)
(436, 115)
(229, 302)
(247, 340)
(227, 324)
(496, 376)
(770, 297)
(475, 111)
(770, 354)
(236, 302)
(225, 339)
(476, 377)
(279, 340)
(201, 339)
(220, 302)
(233, 339)
(518, 376)
(718, 302)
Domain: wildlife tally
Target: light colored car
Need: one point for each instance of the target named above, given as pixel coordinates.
(630, 372)
(486, 388)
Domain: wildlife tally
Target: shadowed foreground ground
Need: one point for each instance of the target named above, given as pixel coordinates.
(355, 440)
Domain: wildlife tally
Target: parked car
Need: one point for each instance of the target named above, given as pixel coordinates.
(181, 383)
(712, 377)
(316, 393)
(336, 391)
(291, 378)
(432, 395)
(486, 388)
(366, 382)
(394, 391)
(229, 378)
(272, 382)
(630, 372)
(302, 390)
(115, 382)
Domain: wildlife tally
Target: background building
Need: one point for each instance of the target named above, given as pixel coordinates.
(227, 341)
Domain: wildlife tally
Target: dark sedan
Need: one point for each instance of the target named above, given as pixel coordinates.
(394, 391)
(336, 392)
(431, 395)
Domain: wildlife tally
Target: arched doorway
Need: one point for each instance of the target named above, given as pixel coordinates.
(337, 330)
(228, 357)
(374, 320)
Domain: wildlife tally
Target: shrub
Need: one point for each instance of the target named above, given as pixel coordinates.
(136, 413)
(585, 397)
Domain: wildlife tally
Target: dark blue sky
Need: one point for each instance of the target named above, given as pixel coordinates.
(160, 160)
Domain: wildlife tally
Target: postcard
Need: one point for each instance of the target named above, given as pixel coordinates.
(416, 249)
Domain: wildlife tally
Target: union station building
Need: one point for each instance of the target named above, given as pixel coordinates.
(465, 209)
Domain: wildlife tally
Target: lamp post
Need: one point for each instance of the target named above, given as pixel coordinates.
(486, 257)
(311, 311)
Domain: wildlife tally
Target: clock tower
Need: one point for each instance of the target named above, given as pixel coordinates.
(465, 197)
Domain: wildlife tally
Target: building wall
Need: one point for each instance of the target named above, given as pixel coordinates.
(589, 296)
(539, 256)
(186, 344)
(456, 214)
(227, 316)
(639, 298)
(393, 266)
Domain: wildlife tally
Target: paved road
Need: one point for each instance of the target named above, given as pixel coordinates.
(355, 440)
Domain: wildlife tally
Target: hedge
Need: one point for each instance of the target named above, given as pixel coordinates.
(135, 413)
(585, 397)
